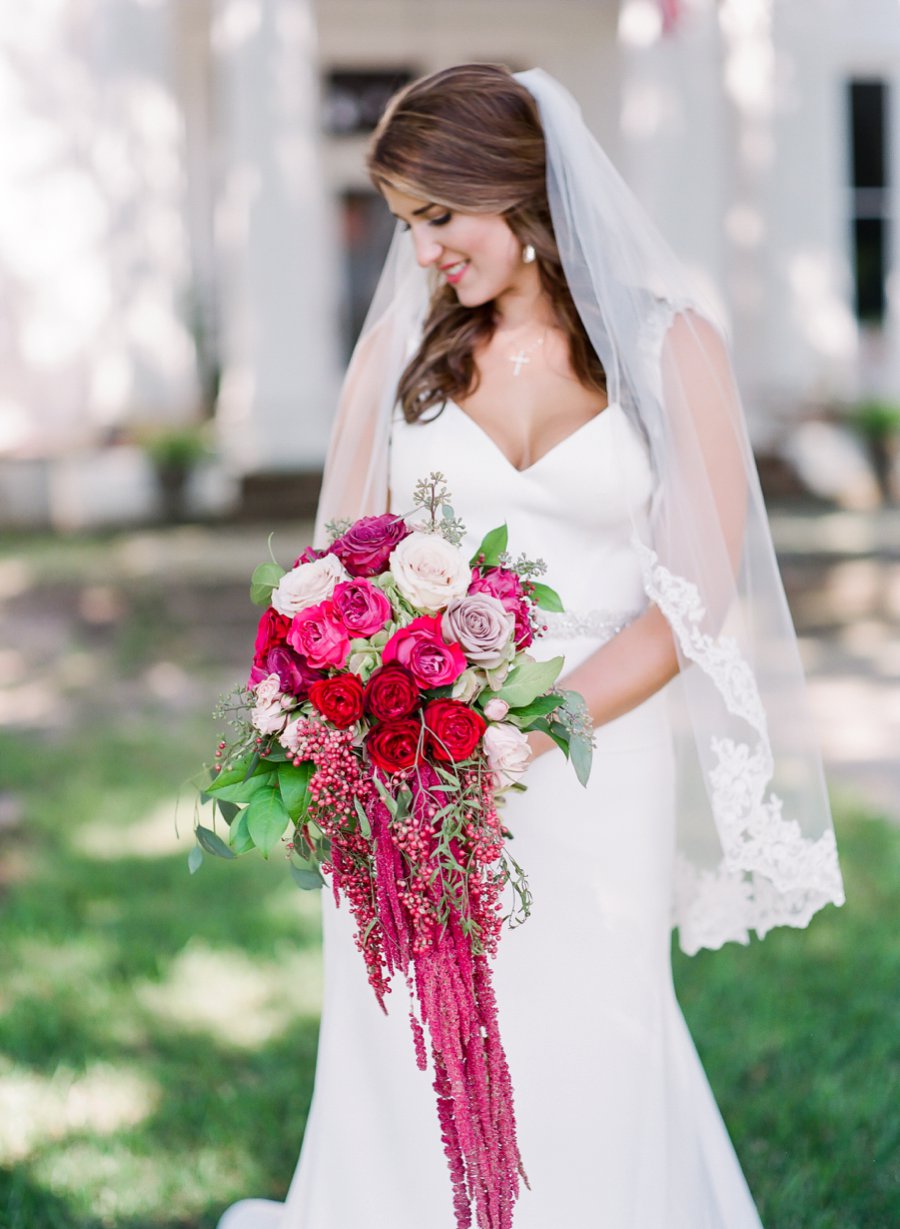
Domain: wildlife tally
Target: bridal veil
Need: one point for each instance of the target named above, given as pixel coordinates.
(756, 846)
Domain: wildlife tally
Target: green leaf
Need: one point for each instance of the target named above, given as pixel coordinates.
(364, 826)
(227, 810)
(493, 544)
(306, 877)
(447, 512)
(241, 791)
(267, 818)
(195, 859)
(539, 707)
(293, 781)
(545, 597)
(530, 680)
(581, 754)
(263, 581)
(239, 837)
(236, 773)
(557, 732)
(212, 843)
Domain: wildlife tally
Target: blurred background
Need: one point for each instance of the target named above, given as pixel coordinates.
(188, 243)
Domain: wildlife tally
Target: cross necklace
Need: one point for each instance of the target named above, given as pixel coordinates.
(524, 354)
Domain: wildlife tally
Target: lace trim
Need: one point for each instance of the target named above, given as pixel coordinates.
(770, 874)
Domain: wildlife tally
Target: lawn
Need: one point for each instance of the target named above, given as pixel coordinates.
(158, 1031)
(157, 1027)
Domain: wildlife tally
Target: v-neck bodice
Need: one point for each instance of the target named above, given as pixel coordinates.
(572, 507)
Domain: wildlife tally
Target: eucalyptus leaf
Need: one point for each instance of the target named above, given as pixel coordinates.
(267, 818)
(263, 581)
(195, 859)
(306, 878)
(212, 843)
(493, 545)
(545, 597)
(557, 732)
(293, 781)
(581, 754)
(529, 680)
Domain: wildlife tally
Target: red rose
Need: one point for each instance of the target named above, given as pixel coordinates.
(339, 699)
(422, 649)
(454, 729)
(271, 633)
(391, 692)
(393, 745)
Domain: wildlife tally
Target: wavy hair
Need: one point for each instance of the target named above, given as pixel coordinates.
(423, 146)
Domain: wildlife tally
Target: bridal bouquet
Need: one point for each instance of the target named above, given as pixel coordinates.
(383, 723)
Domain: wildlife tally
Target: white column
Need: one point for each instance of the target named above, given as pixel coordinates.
(93, 258)
(672, 139)
(274, 232)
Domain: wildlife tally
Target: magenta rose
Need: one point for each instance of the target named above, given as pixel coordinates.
(319, 635)
(365, 548)
(422, 649)
(362, 608)
(506, 586)
(310, 555)
(295, 674)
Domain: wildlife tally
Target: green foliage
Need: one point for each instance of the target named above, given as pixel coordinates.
(876, 419)
(493, 545)
(546, 598)
(264, 579)
(267, 817)
(529, 680)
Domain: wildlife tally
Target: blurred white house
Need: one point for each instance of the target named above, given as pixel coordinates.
(186, 228)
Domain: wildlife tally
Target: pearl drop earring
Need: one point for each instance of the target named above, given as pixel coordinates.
(528, 254)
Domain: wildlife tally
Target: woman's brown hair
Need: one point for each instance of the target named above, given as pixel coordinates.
(470, 138)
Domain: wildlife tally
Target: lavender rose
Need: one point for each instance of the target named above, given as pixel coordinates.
(482, 627)
(365, 548)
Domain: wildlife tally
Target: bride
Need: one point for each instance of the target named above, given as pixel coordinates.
(534, 340)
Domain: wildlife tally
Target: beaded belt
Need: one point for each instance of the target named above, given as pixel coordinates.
(600, 625)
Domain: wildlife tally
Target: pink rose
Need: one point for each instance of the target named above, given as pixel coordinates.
(361, 607)
(319, 635)
(422, 649)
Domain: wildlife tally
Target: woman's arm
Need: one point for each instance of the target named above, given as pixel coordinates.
(622, 673)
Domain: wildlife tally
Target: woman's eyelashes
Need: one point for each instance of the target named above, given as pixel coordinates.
(442, 220)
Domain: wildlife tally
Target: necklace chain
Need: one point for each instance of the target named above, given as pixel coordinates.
(519, 356)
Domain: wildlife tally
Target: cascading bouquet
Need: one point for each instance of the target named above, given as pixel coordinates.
(383, 723)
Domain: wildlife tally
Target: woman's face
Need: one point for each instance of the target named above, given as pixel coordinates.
(476, 253)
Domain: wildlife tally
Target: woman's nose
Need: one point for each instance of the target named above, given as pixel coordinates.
(427, 249)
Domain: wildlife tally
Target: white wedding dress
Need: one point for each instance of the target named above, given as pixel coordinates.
(617, 1125)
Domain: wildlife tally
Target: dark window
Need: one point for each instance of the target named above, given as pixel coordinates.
(368, 227)
(354, 100)
(869, 194)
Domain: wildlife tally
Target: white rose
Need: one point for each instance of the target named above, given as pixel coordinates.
(429, 571)
(507, 751)
(308, 584)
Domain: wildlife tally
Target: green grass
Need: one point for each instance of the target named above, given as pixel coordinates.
(157, 1032)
